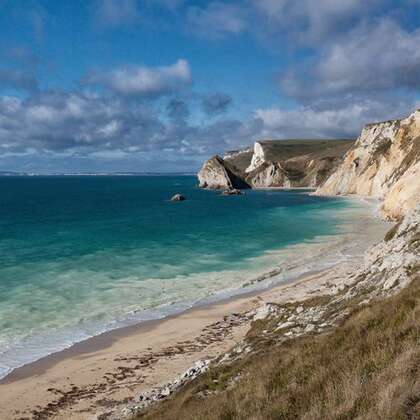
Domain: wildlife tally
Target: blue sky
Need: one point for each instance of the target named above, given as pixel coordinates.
(159, 85)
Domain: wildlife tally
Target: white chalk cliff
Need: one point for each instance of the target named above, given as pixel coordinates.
(258, 158)
(384, 163)
(283, 163)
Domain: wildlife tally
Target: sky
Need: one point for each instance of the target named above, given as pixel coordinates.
(161, 85)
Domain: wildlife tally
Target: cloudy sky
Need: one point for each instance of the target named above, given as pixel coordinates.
(159, 85)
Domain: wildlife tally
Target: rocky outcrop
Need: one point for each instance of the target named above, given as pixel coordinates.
(217, 173)
(390, 265)
(233, 191)
(385, 164)
(178, 197)
(282, 163)
(162, 392)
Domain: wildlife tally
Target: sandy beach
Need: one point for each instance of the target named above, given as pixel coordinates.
(109, 370)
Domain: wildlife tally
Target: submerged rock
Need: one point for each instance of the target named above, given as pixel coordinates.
(232, 191)
(178, 197)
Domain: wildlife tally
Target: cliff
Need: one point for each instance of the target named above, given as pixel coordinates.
(385, 164)
(282, 163)
(217, 173)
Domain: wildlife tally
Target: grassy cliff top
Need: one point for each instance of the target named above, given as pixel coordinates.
(286, 149)
(279, 150)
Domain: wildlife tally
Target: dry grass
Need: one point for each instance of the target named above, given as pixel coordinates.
(367, 368)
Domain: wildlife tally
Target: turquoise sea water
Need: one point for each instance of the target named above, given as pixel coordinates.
(81, 255)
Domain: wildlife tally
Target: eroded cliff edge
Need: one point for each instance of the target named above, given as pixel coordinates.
(281, 163)
(385, 164)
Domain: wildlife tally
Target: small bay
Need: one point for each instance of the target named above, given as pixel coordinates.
(80, 255)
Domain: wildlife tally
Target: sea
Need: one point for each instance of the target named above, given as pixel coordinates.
(81, 255)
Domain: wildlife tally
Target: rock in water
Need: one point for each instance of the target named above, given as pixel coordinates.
(178, 197)
(232, 191)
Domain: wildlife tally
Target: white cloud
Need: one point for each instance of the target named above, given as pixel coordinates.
(76, 124)
(217, 20)
(145, 81)
(380, 57)
(313, 21)
(346, 121)
(371, 59)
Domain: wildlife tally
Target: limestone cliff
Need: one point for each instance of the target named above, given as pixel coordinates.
(217, 173)
(282, 163)
(384, 163)
(302, 171)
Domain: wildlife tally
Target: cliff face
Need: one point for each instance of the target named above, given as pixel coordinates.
(384, 163)
(283, 163)
(217, 173)
(302, 171)
(294, 163)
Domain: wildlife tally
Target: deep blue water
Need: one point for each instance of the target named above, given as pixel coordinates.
(82, 254)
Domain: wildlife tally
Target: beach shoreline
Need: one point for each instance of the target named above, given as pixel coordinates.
(112, 367)
(117, 365)
(106, 339)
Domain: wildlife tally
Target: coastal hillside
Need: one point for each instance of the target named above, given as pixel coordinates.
(384, 164)
(275, 163)
(352, 352)
(359, 371)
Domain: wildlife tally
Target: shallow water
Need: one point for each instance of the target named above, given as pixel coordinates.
(81, 255)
